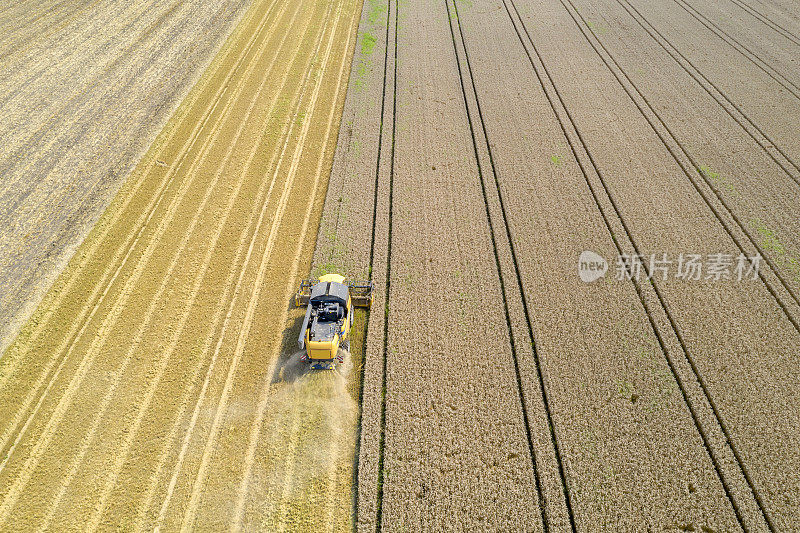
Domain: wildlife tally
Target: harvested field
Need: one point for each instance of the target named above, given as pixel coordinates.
(142, 394)
(85, 88)
(483, 147)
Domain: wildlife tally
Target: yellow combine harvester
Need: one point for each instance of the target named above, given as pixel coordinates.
(330, 302)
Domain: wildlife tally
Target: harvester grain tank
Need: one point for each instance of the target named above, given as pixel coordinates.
(330, 304)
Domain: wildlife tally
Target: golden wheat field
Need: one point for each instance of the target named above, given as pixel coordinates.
(581, 220)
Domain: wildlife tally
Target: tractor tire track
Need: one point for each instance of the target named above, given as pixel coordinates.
(743, 516)
(767, 21)
(364, 72)
(691, 168)
(748, 54)
(736, 501)
(770, 147)
(609, 226)
(382, 322)
(422, 403)
(547, 87)
(357, 175)
(516, 288)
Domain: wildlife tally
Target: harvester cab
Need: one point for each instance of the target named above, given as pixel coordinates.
(330, 302)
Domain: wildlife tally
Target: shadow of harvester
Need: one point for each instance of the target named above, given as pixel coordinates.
(291, 367)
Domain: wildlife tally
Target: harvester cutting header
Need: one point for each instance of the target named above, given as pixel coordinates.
(330, 302)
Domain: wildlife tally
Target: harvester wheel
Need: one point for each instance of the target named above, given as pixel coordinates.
(346, 345)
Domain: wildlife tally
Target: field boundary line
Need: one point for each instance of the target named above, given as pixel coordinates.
(197, 489)
(155, 203)
(388, 274)
(676, 375)
(256, 427)
(99, 339)
(94, 522)
(222, 334)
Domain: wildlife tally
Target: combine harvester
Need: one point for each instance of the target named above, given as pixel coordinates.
(330, 302)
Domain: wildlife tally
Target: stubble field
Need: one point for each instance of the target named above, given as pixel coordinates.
(147, 391)
(482, 146)
(85, 88)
